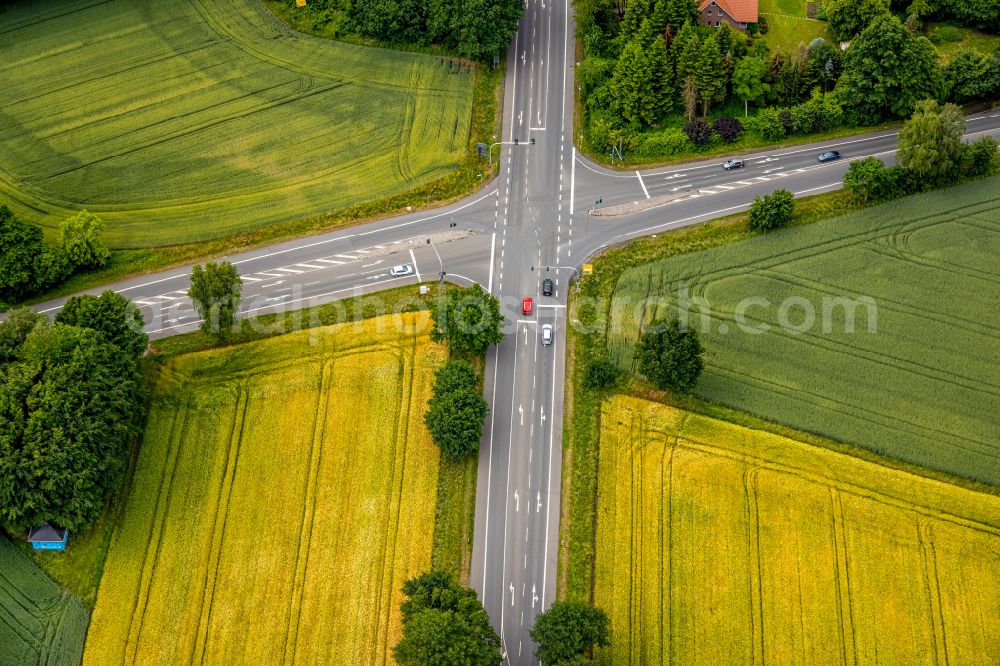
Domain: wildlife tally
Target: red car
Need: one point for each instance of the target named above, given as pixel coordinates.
(527, 305)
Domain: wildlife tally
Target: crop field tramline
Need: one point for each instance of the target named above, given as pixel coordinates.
(285, 491)
(719, 544)
(880, 326)
(39, 623)
(183, 121)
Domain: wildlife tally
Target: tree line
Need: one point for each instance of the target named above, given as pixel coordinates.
(444, 624)
(70, 405)
(651, 78)
(475, 29)
(30, 266)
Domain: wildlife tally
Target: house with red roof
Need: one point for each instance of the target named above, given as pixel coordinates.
(737, 13)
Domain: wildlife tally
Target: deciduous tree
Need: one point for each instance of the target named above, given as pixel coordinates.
(887, 71)
(215, 290)
(670, 355)
(930, 143)
(748, 81)
(569, 630)
(445, 624)
(80, 240)
(469, 320)
(456, 411)
(110, 314)
(15, 329)
(67, 411)
(849, 17)
(20, 248)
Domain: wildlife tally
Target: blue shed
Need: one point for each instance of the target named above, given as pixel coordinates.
(48, 537)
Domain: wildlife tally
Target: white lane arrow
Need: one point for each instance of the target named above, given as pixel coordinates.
(543, 416)
(512, 594)
(517, 502)
(524, 54)
(525, 335)
(534, 596)
(520, 411)
(538, 507)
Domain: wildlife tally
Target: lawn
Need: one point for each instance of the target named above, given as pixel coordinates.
(785, 33)
(39, 623)
(877, 328)
(285, 490)
(181, 122)
(720, 544)
(983, 42)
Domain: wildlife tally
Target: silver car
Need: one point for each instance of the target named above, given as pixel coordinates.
(547, 334)
(402, 269)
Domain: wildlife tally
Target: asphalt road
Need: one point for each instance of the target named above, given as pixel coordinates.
(532, 222)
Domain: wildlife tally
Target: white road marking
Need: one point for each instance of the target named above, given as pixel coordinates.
(415, 265)
(642, 184)
(572, 182)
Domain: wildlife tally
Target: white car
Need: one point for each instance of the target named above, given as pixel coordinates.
(547, 334)
(402, 269)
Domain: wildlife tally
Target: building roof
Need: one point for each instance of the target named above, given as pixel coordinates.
(744, 11)
(46, 533)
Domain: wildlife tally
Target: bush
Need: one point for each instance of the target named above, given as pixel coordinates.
(698, 131)
(787, 121)
(977, 157)
(945, 33)
(869, 180)
(601, 373)
(728, 128)
(772, 211)
(670, 141)
(768, 124)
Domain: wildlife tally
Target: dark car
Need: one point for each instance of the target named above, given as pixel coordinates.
(729, 165)
(546, 287)
(829, 156)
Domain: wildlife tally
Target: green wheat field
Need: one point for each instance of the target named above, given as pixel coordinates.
(917, 379)
(194, 119)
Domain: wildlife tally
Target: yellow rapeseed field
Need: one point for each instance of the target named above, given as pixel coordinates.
(718, 544)
(285, 490)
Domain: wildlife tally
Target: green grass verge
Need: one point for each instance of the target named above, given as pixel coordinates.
(581, 423)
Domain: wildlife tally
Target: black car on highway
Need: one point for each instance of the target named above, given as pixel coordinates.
(829, 156)
(546, 287)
